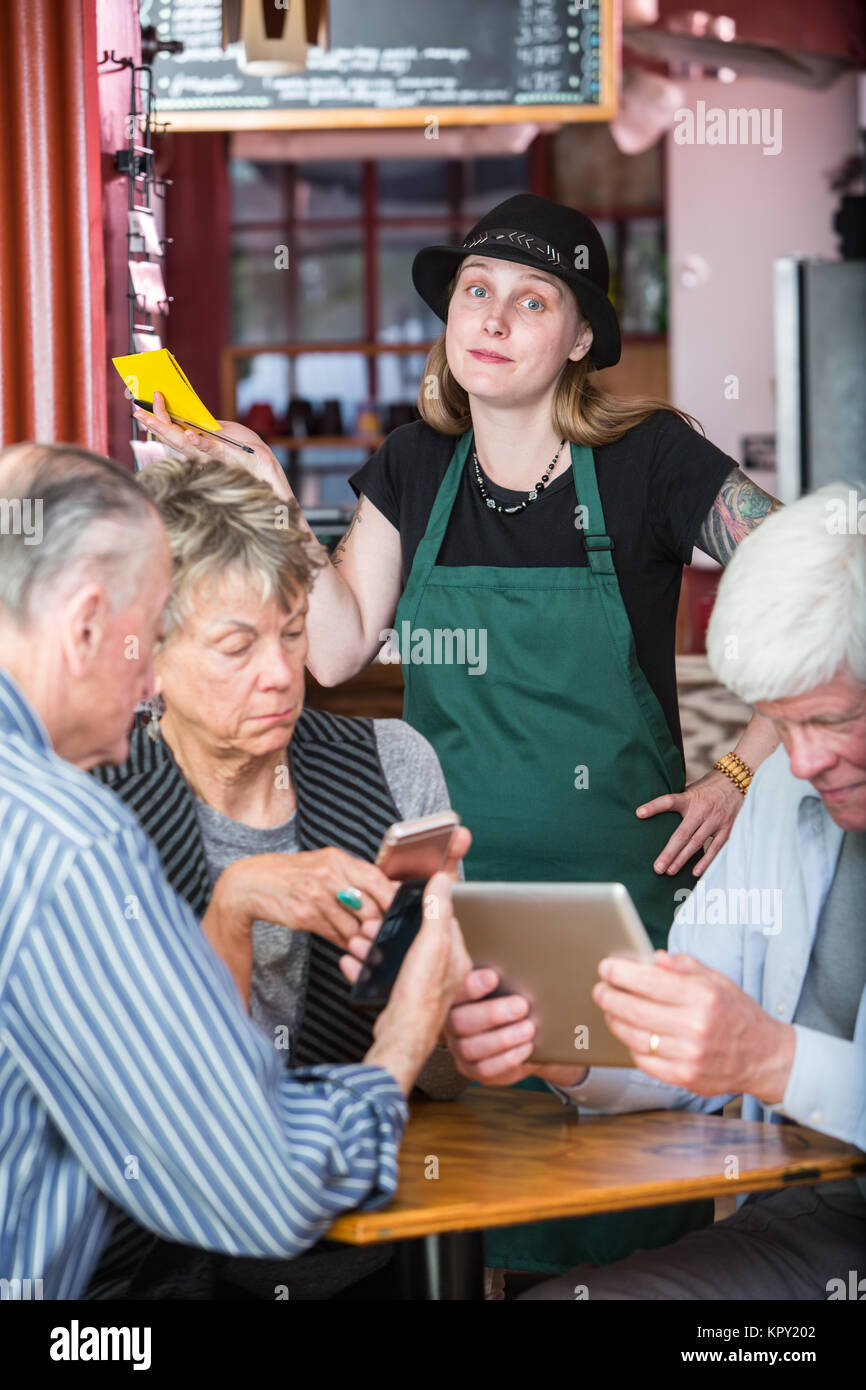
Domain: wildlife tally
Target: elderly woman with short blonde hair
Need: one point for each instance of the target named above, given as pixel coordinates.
(234, 776)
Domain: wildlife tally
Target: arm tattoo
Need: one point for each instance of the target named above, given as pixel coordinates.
(739, 507)
(340, 549)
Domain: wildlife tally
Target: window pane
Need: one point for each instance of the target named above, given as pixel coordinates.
(643, 283)
(329, 285)
(312, 394)
(259, 290)
(608, 229)
(487, 182)
(324, 475)
(413, 187)
(403, 315)
(332, 376)
(258, 191)
(328, 188)
(398, 377)
(262, 380)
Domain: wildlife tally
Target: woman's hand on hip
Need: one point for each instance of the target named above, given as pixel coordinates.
(708, 808)
(300, 892)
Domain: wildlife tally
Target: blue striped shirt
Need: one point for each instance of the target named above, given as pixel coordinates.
(130, 1075)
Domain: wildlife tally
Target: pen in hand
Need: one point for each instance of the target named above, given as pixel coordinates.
(178, 420)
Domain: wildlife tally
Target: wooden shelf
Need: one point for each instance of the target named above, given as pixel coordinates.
(368, 349)
(325, 441)
(386, 222)
(365, 348)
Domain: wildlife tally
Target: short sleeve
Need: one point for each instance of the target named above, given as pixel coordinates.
(402, 478)
(686, 474)
(379, 479)
(412, 769)
(413, 773)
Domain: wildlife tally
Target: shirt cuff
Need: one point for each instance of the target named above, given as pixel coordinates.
(602, 1090)
(826, 1087)
(371, 1084)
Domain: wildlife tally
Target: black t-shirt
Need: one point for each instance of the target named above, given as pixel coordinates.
(657, 485)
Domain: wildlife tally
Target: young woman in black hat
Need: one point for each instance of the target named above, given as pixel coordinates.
(522, 547)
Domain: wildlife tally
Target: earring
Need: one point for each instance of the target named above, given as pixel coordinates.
(156, 709)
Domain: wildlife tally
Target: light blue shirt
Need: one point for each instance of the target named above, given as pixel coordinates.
(129, 1073)
(753, 917)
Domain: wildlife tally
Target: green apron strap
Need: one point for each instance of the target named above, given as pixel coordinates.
(431, 542)
(598, 543)
(599, 548)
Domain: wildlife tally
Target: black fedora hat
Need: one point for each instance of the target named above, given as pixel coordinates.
(548, 236)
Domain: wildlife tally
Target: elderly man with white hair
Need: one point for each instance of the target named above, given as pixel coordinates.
(773, 1007)
(131, 1077)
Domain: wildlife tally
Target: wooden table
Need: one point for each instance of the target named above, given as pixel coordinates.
(504, 1157)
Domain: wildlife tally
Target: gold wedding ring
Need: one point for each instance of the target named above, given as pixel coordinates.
(654, 1043)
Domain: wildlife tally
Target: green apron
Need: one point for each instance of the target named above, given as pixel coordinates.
(546, 753)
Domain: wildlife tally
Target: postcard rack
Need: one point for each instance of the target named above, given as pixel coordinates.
(149, 302)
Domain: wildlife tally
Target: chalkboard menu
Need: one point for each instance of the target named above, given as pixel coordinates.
(397, 62)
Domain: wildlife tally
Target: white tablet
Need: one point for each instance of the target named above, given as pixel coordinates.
(546, 941)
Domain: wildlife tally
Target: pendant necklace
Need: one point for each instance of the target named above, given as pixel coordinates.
(517, 506)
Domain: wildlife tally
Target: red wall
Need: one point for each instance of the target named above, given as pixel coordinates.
(63, 242)
(197, 260)
(52, 324)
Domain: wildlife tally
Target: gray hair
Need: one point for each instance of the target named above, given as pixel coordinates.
(220, 518)
(791, 608)
(67, 514)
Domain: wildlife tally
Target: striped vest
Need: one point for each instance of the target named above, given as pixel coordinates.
(342, 799)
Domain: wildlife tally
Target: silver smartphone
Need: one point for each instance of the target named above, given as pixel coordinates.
(417, 848)
(412, 851)
(546, 940)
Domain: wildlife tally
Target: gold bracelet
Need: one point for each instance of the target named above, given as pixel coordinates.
(739, 772)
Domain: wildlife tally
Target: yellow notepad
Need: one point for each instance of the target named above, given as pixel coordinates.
(146, 372)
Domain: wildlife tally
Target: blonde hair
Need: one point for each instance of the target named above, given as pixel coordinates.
(581, 411)
(220, 518)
